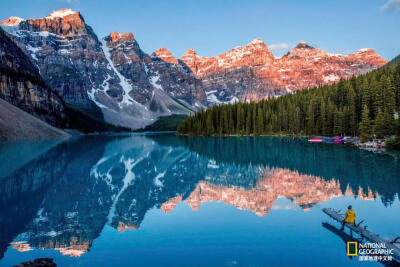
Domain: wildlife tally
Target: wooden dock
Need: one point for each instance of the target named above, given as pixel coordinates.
(364, 233)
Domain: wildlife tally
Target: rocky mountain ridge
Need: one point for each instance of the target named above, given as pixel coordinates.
(251, 72)
(22, 86)
(112, 74)
(133, 88)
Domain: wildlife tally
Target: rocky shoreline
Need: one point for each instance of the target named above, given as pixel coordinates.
(375, 145)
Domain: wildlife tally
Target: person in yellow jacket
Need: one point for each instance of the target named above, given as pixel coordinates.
(350, 217)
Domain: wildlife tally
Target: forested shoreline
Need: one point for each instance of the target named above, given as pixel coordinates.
(366, 105)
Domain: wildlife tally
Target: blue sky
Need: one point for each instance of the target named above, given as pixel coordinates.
(215, 26)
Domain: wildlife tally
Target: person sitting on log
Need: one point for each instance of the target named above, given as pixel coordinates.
(350, 217)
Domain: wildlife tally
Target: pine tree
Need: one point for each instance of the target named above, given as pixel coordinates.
(389, 99)
(396, 83)
(310, 119)
(240, 119)
(388, 122)
(338, 125)
(351, 112)
(209, 124)
(365, 128)
(248, 122)
(379, 125)
(260, 121)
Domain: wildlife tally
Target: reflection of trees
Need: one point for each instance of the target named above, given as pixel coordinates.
(64, 198)
(350, 166)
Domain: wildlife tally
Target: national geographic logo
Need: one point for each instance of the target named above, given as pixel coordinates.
(352, 248)
(370, 251)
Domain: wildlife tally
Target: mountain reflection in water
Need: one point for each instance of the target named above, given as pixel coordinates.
(63, 198)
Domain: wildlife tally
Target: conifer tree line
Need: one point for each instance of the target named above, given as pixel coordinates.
(366, 105)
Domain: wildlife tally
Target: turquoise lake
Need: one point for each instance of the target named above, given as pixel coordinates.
(164, 200)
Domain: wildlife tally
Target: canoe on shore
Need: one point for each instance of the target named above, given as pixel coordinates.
(328, 140)
(315, 140)
(364, 233)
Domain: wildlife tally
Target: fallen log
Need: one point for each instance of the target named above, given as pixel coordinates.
(364, 233)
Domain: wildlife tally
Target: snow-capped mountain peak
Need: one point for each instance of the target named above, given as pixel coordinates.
(303, 45)
(364, 50)
(257, 41)
(61, 13)
(12, 21)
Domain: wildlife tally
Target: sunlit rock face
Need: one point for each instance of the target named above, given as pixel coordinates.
(306, 67)
(11, 21)
(255, 53)
(64, 22)
(251, 72)
(165, 55)
(174, 77)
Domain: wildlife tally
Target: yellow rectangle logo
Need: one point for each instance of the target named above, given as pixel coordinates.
(352, 248)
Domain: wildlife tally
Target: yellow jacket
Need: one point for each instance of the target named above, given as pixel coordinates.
(350, 216)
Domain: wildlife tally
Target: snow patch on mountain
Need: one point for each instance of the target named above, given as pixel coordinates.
(331, 78)
(92, 97)
(13, 30)
(61, 13)
(365, 50)
(12, 21)
(126, 98)
(34, 50)
(212, 98)
(154, 81)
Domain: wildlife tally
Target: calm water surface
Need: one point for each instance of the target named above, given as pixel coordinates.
(163, 200)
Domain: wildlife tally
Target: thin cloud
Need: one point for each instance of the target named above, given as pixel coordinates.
(392, 5)
(273, 47)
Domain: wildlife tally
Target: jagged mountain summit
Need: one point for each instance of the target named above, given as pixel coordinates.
(251, 72)
(86, 71)
(133, 88)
